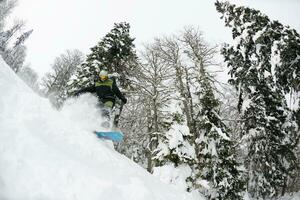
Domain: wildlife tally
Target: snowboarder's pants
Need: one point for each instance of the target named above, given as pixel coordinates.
(106, 109)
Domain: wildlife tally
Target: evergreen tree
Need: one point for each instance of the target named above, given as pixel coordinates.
(217, 155)
(260, 75)
(115, 52)
(215, 151)
(176, 154)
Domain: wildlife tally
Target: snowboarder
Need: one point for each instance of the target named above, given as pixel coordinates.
(106, 90)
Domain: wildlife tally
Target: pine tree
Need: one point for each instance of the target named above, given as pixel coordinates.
(115, 53)
(268, 124)
(175, 153)
(215, 151)
(217, 155)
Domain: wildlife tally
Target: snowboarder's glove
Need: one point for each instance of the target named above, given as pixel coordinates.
(124, 100)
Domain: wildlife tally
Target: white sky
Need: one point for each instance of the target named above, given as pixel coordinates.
(68, 24)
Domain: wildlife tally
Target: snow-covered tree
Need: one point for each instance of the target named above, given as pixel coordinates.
(194, 123)
(215, 150)
(258, 68)
(54, 83)
(6, 7)
(15, 56)
(175, 149)
(115, 52)
(12, 48)
(175, 156)
(156, 86)
(217, 156)
(229, 112)
(146, 116)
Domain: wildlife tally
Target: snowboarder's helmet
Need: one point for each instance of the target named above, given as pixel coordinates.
(103, 75)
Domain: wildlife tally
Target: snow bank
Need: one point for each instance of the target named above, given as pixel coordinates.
(48, 154)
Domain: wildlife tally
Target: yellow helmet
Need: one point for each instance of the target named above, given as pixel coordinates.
(103, 75)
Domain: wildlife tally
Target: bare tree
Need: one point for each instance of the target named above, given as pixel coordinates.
(171, 53)
(54, 83)
(156, 88)
(201, 57)
(149, 99)
(190, 56)
(12, 47)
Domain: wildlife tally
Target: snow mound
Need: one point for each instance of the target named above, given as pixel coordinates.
(53, 155)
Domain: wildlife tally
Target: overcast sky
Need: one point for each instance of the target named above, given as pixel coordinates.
(68, 24)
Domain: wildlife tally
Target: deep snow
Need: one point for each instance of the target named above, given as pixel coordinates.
(52, 155)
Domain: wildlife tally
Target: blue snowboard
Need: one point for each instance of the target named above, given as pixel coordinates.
(115, 136)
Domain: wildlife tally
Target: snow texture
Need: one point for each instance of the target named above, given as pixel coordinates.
(53, 155)
(173, 175)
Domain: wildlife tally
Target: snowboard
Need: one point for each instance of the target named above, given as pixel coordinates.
(115, 136)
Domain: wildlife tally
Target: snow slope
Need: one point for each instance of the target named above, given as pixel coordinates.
(51, 155)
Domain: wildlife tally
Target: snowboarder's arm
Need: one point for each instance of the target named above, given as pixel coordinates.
(90, 89)
(118, 92)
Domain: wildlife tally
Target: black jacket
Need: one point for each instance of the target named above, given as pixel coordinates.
(105, 91)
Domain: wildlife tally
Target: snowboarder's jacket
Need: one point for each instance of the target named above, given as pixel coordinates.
(105, 90)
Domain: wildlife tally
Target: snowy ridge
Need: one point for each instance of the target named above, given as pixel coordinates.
(48, 154)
